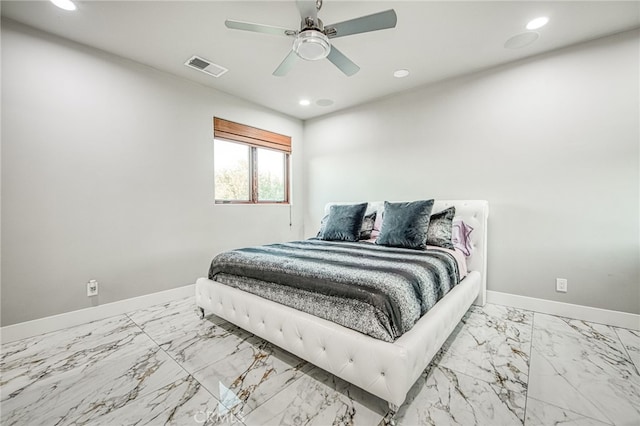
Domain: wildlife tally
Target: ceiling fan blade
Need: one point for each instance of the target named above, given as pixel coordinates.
(308, 9)
(258, 28)
(286, 65)
(345, 64)
(375, 22)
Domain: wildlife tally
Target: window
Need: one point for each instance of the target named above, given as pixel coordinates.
(250, 165)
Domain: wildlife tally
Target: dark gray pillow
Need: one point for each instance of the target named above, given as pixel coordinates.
(440, 226)
(323, 223)
(405, 224)
(367, 226)
(344, 222)
(365, 231)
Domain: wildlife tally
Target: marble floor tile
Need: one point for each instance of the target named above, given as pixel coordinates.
(631, 341)
(86, 392)
(210, 343)
(445, 397)
(252, 376)
(31, 350)
(542, 414)
(318, 399)
(582, 367)
(191, 341)
(504, 313)
(492, 344)
(163, 322)
(27, 362)
(183, 402)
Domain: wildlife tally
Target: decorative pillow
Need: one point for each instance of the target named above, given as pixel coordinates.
(440, 227)
(405, 224)
(461, 236)
(344, 222)
(365, 231)
(377, 225)
(323, 224)
(367, 226)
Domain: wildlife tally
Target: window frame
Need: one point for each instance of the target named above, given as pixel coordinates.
(254, 138)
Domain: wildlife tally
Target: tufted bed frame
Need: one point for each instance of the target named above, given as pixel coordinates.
(387, 370)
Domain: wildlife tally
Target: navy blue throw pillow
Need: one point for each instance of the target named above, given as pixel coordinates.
(344, 222)
(405, 224)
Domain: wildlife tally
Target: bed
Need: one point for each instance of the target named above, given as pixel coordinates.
(385, 369)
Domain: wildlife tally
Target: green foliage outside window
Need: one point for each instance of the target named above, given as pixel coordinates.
(233, 175)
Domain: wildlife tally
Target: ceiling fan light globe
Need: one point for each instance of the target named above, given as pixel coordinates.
(312, 45)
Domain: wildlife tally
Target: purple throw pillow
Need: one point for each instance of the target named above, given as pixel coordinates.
(461, 236)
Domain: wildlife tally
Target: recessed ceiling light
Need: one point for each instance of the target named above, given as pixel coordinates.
(305, 102)
(64, 4)
(540, 22)
(400, 73)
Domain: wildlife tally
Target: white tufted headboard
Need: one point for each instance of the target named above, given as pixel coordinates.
(474, 213)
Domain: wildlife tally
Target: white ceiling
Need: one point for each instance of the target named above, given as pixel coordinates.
(434, 40)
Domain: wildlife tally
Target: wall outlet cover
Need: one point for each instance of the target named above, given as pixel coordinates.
(92, 288)
(561, 285)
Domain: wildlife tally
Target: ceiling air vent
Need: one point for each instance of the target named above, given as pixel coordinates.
(205, 66)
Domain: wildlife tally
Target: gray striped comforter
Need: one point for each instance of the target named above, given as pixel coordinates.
(379, 291)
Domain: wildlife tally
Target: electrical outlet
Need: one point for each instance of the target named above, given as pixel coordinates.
(561, 285)
(92, 288)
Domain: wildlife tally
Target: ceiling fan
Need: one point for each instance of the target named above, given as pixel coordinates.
(311, 42)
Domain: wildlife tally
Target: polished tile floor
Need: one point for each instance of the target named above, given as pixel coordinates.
(501, 366)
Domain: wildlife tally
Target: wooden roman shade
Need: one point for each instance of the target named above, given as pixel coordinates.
(225, 129)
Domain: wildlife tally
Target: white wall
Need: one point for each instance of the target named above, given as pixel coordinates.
(107, 173)
(552, 142)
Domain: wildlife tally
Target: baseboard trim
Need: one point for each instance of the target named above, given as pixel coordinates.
(38, 326)
(586, 313)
